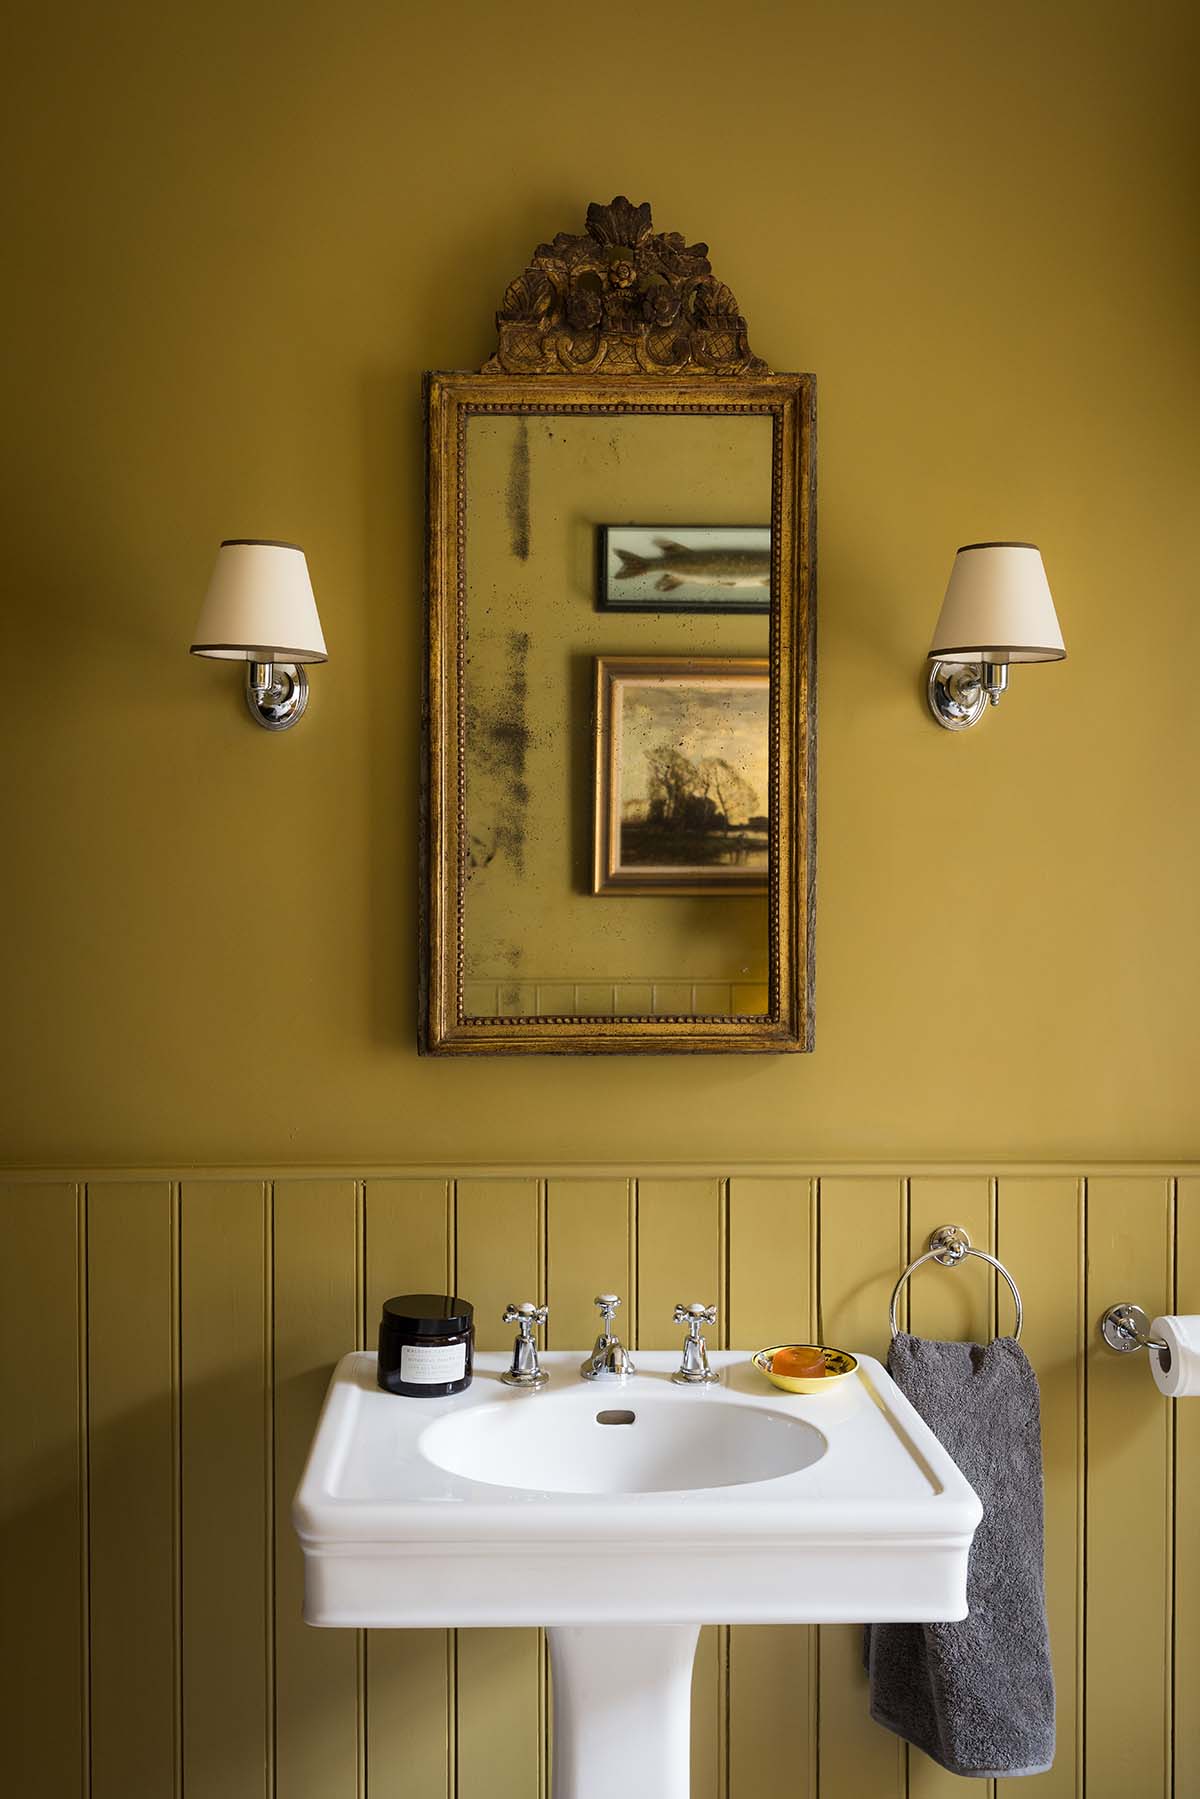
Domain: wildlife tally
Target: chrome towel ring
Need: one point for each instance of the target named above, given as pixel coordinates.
(950, 1245)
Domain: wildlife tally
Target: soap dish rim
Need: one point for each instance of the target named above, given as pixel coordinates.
(810, 1384)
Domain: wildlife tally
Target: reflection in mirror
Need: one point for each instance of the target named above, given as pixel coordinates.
(616, 695)
(682, 766)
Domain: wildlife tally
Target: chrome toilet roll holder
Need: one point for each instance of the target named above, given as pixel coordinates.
(1126, 1328)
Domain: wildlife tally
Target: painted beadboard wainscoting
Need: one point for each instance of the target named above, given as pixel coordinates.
(167, 1339)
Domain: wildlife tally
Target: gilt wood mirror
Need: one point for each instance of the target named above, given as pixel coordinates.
(618, 816)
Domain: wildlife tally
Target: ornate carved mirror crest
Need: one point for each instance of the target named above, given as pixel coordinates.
(618, 807)
(622, 298)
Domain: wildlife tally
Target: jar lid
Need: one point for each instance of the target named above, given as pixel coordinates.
(428, 1314)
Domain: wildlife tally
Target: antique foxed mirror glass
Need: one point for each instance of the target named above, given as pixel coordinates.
(619, 794)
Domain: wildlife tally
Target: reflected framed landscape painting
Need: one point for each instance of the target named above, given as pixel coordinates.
(683, 568)
(682, 775)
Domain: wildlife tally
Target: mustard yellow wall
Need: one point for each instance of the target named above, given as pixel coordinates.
(238, 234)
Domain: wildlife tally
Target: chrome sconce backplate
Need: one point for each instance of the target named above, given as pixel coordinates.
(959, 691)
(276, 693)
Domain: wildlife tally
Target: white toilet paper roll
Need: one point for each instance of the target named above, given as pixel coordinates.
(1181, 1377)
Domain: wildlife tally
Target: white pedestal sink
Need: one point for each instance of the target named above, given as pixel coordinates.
(622, 1517)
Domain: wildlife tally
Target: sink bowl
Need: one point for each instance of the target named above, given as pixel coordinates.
(651, 1445)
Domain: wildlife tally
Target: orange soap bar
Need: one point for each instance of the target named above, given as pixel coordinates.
(798, 1364)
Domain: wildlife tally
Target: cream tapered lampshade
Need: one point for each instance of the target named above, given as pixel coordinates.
(259, 606)
(997, 608)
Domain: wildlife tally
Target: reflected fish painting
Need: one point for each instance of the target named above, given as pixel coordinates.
(700, 568)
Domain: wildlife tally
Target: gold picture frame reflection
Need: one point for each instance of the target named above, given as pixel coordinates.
(682, 775)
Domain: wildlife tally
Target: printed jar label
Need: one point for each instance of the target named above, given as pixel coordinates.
(423, 1363)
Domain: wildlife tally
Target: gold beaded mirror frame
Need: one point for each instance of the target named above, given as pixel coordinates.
(622, 441)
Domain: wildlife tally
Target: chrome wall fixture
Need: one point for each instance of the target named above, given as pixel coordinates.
(609, 1360)
(949, 1245)
(260, 610)
(1126, 1328)
(998, 610)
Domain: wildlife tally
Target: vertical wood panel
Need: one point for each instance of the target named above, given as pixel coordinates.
(1128, 1491)
(862, 1240)
(1187, 1514)
(680, 1257)
(42, 1572)
(499, 1252)
(588, 1251)
(409, 1244)
(952, 1304)
(132, 1450)
(501, 1673)
(410, 1689)
(1040, 1239)
(227, 1647)
(710, 1689)
(772, 1668)
(949, 1305)
(772, 1271)
(316, 1306)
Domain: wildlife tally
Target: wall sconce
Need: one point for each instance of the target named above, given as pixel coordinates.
(997, 611)
(260, 610)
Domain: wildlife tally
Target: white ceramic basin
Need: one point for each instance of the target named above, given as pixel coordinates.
(729, 1504)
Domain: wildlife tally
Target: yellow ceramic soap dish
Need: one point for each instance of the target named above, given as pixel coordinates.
(838, 1364)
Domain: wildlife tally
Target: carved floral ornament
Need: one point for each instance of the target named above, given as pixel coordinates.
(622, 299)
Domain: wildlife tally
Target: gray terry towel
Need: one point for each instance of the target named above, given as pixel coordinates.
(977, 1696)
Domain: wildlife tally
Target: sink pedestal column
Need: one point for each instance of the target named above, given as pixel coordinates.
(622, 1709)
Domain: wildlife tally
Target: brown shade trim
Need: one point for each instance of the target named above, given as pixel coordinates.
(269, 543)
(976, 654)
(1001, 543)
(259, 653)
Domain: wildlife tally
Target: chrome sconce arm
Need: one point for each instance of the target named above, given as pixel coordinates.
(276, 693)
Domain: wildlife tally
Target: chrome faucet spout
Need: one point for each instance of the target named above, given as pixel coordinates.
(609, 1360)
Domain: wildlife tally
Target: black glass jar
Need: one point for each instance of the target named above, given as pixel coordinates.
(426, 1345)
